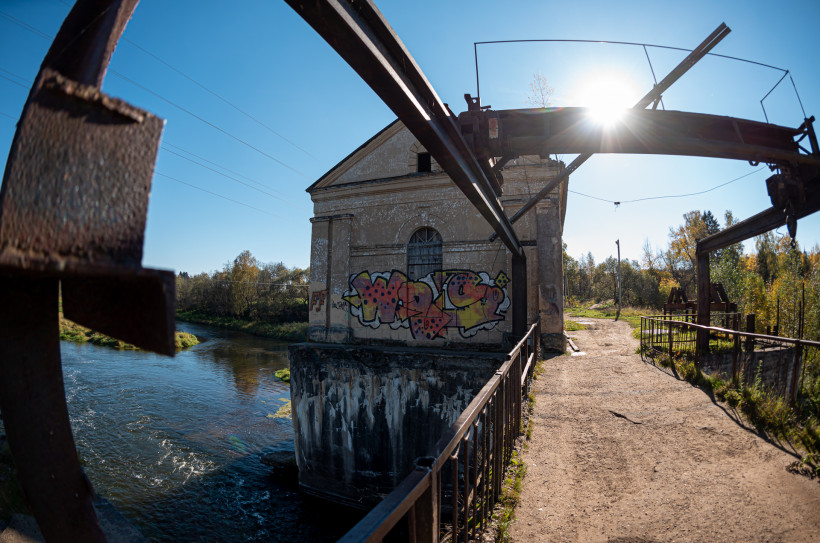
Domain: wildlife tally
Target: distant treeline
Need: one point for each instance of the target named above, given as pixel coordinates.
(769, 282)
(247, 289)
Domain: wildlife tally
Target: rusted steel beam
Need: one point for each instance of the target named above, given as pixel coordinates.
(762, 222)
(360, 34)
(87, 39)
(652, 131)
(73, 206)
(35, 415)
(655, 94)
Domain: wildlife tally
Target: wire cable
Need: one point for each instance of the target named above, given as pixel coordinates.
(617, 203)
(206, 89)
(212, 125)
(225, 175)
(13, 81)
(184, 110)
(252, 180)
(217, 195)
(220, 97)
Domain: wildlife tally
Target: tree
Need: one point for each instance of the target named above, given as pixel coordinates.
(540, 91)
(243, 277)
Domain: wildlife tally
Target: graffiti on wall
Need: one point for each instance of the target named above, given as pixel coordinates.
(318, 300)
(442, 300)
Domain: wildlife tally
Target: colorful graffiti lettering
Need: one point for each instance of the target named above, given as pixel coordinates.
(318, 300)
(461, 299)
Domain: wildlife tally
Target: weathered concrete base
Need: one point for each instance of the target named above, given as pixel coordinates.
(362, 415)
(775, 367)
(553, 343)
(24, 529)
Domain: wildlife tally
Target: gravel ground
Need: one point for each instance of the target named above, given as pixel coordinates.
(622, 451)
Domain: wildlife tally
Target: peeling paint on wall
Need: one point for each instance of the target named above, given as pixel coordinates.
(460, 299)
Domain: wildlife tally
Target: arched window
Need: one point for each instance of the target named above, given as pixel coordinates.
(423, 253)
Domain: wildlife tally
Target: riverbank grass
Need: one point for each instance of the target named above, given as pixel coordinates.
(71, 331)
(286, 331)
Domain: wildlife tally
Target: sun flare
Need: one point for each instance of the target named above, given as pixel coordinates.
(607, 96)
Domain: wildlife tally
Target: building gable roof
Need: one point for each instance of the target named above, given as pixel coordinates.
(360, 153)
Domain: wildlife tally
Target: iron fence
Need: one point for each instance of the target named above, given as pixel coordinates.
(452, 491)
(787, 367)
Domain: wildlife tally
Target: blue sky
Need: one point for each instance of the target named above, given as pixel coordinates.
(303, 109)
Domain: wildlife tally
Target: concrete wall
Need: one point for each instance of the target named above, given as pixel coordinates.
(775, 367)
(362, 415)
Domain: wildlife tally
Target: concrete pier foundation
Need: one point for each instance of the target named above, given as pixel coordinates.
(362, 415)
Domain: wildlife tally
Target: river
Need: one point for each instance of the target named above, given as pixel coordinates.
(175, 443)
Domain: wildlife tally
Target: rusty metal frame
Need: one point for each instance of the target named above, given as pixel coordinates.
(73, 207)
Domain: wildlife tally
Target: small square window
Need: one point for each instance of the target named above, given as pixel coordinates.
(425, 163)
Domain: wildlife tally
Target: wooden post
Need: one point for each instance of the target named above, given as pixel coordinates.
(798, 351)
(702, 342)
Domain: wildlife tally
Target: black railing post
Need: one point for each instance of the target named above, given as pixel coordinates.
(702, 340)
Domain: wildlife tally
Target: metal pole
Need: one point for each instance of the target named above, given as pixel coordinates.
(618, 243)
(702, 341)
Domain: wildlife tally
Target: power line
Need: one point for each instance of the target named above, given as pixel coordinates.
(617, 203)
(16, 76)
(259, 283)
(225, 175)
(9, 116)
(13, 81)
(217, 195)
(186, 151)
(184, 110)
(208, 90)
(27, 26)
(212, 125)
(220, 97)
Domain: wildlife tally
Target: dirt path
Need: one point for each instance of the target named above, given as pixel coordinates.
(623, 452)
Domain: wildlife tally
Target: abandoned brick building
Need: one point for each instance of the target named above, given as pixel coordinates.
(400, 256)
(410, 309)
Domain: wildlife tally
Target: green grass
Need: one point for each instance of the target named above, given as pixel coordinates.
(510, 497)
(631, 315)
(572, 326)
(71, 331)
(288, 331)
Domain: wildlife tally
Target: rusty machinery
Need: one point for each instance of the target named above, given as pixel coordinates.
(75, 191)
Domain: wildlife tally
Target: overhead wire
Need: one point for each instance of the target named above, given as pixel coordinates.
(168, 101)
(226, 175)
(23, 80)
(617, 203)
(220, 97)
(13, 81)
(217, 194)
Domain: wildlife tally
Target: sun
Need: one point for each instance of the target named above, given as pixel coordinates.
(607, 96)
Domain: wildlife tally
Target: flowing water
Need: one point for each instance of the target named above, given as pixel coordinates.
(175, 443)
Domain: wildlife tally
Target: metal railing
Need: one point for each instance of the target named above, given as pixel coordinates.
(660, 333)
(778, 363)
(453, 489)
